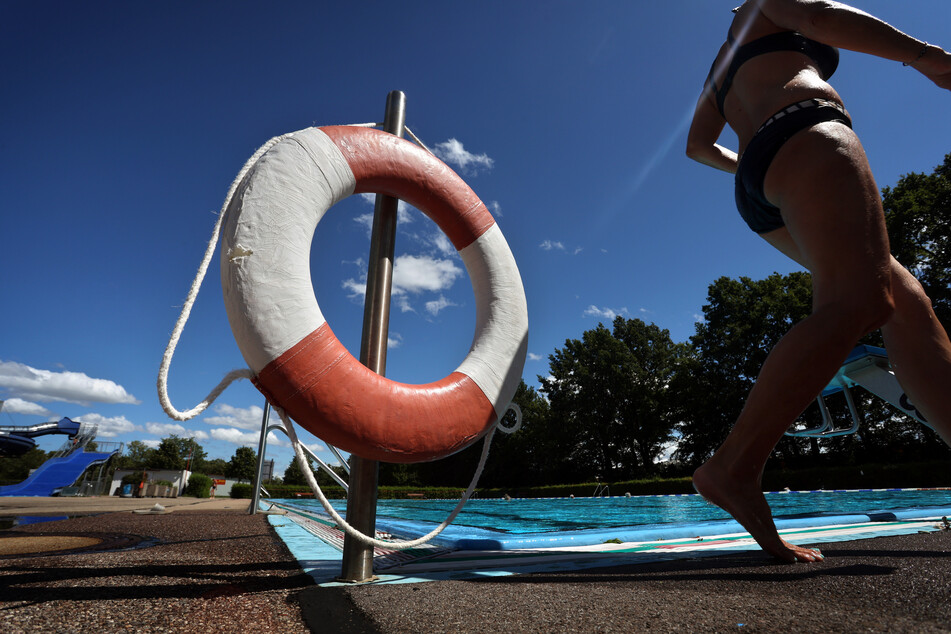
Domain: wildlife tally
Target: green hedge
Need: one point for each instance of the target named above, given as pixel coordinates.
(871, 476)
(199, 486)
(241, 490)
(280, 491)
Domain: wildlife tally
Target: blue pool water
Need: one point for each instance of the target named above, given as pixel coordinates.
(551, 515)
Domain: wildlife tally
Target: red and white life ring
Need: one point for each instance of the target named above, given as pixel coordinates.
(299, 364)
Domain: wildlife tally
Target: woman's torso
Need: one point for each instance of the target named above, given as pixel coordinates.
(769, 81)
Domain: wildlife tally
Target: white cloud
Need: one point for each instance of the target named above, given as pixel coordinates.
(242, 418)
(495, 208)
(109, 426)
(442, 244)
(71, 387)
(165, 429)
(418, 273)
(402, 302)
(555, 245)
(452, 151)
(413, 275)
(19, 406)
(355, 288)
(534, 357)
(245, 439)
(151, 444)
(606, 313)
(433, 307)
(174, 429)
(394, 340)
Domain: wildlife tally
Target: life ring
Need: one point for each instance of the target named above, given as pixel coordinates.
(298, 362)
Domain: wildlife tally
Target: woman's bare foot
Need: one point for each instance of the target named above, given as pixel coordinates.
(746, 503)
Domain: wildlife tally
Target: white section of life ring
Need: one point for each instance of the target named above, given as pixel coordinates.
(267, 236)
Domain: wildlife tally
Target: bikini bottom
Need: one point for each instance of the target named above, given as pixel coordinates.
(760, 214)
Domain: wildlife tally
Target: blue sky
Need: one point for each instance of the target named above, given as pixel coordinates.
(122, 125)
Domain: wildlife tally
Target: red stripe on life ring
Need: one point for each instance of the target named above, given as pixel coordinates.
(411, 174)
(325, 389)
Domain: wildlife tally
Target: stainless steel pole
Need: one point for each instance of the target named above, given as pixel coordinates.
(262, 446)
(357, 562)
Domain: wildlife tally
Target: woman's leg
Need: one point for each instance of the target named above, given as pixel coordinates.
(919, 351)
(834, 227)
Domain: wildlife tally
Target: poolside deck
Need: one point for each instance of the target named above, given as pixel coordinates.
(215, 568)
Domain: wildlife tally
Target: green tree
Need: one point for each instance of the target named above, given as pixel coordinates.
(243, 464)
(743, 320)
(176, 453)
(520, 459)
(16, 469)
(137, 455)
(216, 466)
(917, 213)
(293, 474)
(610, 398)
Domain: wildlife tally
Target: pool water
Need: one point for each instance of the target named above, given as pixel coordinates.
(520, 516)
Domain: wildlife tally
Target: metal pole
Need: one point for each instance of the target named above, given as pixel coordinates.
(357, 564)
(262, 445)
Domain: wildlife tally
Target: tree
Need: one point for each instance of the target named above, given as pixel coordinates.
(176, 454)
(137, 455)
(610, 398)
(917, 210)
(524, 458)
(16, 469)
(216, 466)
(243, 464)
(293, 474)
(743, 320)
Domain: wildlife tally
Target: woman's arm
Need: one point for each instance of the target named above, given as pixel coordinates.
(846, 27)
(705, 129)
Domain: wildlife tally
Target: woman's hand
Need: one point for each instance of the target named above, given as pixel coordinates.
(935, 64)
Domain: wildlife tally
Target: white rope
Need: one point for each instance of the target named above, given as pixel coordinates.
(350, 530)
(417, 140)
(513, 406)
(234, 375)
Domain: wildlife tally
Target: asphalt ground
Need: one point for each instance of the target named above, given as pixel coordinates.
(209, 566)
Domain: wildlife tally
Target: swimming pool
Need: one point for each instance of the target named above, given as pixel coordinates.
(496, 524)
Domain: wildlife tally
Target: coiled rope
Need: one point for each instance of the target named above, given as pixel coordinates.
(395, 545)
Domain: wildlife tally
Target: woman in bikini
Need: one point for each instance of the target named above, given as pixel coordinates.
(803, 183)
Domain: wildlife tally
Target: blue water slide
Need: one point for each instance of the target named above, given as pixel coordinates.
(15, 440)
(56, 473)
(14, 444)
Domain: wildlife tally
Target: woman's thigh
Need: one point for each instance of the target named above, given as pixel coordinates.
(822, 182)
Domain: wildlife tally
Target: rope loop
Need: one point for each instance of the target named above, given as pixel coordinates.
(350, 530)
(512, 407)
